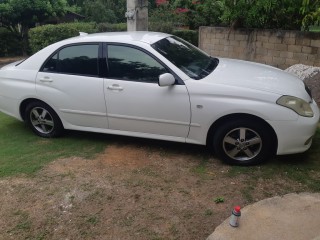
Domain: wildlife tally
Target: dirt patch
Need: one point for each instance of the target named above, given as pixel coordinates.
(131, 191)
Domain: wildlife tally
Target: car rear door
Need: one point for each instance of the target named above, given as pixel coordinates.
(70, 82)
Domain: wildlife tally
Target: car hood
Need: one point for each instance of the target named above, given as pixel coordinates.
(257, 76)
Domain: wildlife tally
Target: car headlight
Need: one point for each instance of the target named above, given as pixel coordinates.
(298, 105)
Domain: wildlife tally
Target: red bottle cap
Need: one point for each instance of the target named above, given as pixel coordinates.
(237, 208)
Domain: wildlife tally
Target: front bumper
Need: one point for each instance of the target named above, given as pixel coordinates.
(294, 136)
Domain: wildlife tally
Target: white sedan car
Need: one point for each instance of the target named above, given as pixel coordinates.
(155, 85)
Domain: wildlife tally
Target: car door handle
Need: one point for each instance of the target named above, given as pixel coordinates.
(115, 87)
(46, 79)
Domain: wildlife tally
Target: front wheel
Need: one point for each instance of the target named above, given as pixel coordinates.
(242, 142)
(43, 120)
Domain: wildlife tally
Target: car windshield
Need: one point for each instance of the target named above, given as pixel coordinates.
(193, 62)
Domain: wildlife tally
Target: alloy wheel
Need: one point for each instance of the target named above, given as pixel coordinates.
(242, 144)
(41, 120)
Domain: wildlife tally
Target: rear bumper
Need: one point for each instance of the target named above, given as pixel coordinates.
(10, 107)
(295, 136)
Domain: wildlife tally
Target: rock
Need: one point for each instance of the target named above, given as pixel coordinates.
(310, 75)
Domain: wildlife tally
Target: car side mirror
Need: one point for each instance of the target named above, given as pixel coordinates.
(166, 79)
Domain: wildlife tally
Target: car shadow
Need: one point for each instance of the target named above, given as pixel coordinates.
(193, 150)
(150, 144)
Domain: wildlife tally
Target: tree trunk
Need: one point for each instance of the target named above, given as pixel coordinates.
(24, 38)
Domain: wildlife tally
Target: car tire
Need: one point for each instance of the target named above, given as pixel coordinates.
(43, 120)
(242, 142)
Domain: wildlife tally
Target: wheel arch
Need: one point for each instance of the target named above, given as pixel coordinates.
(49, 118)
(26, 102)
(219, 122)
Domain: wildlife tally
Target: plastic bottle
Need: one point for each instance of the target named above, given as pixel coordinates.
(235, 216)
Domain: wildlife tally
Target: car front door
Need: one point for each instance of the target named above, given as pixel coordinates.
(135, 101)
(69, 81)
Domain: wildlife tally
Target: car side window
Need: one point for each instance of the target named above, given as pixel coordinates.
(51, 64)
(75, 60)
(127, 63)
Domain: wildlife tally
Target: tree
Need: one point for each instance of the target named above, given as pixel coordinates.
(164, 18)
(18, 16)
(200, 13)
(97, 11)
(311, 11)
(76, 2)
(271, 14)
(152, 4)
(110, 11)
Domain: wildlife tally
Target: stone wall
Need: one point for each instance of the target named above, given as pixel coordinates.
(278, 48)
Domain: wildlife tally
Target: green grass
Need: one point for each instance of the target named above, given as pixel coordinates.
(302, 168)
(22, 152)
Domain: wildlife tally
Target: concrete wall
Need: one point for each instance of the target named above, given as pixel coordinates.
(273, 47)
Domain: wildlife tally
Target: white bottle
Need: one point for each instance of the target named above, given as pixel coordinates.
(235, 216)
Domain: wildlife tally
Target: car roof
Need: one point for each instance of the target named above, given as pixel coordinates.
(139, 36)
(35, 61)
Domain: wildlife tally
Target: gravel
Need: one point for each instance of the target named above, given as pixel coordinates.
(310, 75)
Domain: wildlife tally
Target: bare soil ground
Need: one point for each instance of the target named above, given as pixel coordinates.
(136, 189)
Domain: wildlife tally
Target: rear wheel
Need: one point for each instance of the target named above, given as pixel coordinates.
(43, 120)
(242, 142)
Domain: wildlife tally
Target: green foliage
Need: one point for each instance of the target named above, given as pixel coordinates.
(165, 19)
(165, 27)
(43, 36)
(272, 14)
(201, 13)
(112, 27)
(219, 200)
(111, 11)
(98, 12)
(26, 12)
(19, 15)
(311, 11)
(314, 28)
(191, 36)
(9, 45)
(152, 4)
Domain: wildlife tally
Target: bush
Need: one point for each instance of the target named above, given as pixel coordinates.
(188, 35)
(40, 37)
(112, 27)
(263, 14)
(166, 27)
(9, 44)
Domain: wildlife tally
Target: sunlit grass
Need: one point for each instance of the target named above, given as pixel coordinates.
(23, 152)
